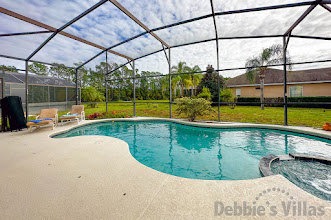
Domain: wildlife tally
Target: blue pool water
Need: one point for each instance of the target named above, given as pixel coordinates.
(203, 153)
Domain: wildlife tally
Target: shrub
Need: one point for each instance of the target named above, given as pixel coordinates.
(192, 108)
(205, 94)
(104, 115)
(113, 114)
(94, 116)
(227, 96)
(91, 94)
(254, 101)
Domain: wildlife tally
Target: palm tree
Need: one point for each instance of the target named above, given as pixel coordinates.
(256, 66)
(183, 81)
(195, 78)
(164, 83)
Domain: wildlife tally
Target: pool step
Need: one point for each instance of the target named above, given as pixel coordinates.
(285, 157)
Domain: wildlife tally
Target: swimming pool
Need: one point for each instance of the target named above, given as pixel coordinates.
(203, 153)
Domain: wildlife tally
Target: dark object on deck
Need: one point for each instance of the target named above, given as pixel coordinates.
(12, 114)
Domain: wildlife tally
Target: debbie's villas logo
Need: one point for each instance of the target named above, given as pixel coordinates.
(288, 207)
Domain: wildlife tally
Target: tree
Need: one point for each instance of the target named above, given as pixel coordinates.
(91, 94)
(209, 81)
(9, 68)
(61, 71)
(184, 80)
(195, 78)
(82, 75)
(39, 69)
(164, 83)
(206, 94)
(256, 66)
(192, 107)
(227, 96)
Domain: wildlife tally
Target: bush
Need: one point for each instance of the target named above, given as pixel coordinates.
(94, 116)
(205, 94)
(192, 108)
(105, 115)
(227, 96)
(91, 94)
(113, 114)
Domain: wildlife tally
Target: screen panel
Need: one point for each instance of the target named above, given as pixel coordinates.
(105, 26)
(202, 54)
(235, 53)
(21, 46)
(271, 22)
(139, 46)
(64, 50)
(317, 23)
(159, 13)
(9, 25)
(53, 13)
(190, 32)
(229, 5)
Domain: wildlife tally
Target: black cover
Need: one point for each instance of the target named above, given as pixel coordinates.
(12, 112)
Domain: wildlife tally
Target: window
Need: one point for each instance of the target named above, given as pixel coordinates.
(296, 91)
(238, 92)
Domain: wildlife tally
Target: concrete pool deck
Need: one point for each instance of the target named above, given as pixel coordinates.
(95, 177)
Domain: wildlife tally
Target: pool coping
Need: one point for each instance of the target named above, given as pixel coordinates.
(205, 124)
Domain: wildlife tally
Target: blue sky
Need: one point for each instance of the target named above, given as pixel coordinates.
(107, 26)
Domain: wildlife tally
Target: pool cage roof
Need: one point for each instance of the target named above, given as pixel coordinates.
(17, 78)
(129, 36)
(127, 30)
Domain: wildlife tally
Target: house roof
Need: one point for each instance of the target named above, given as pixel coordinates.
(273, 76)
(13, 77)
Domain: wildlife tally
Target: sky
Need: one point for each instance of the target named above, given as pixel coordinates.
(108, 26)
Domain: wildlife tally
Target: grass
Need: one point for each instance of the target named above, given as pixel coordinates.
(312, 117)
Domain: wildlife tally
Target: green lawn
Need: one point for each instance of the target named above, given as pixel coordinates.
(312, 117)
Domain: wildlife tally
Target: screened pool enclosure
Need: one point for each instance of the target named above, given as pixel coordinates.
(157, 34)
(44, 91)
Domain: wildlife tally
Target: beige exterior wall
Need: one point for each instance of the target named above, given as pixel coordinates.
(314, 89)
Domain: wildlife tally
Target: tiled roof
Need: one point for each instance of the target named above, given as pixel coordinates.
(276, 76)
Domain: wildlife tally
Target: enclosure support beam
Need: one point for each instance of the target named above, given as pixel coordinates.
(76, 75)
(326, 7)
(285, 42)
(134, 87)
(125, 11)
(165, 53)
(170, 89)
(106, 83)
(311, 7)
(218, 66)
(27, 90)
(25, 33)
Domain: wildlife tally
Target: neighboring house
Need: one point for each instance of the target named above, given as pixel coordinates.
(314, 82)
